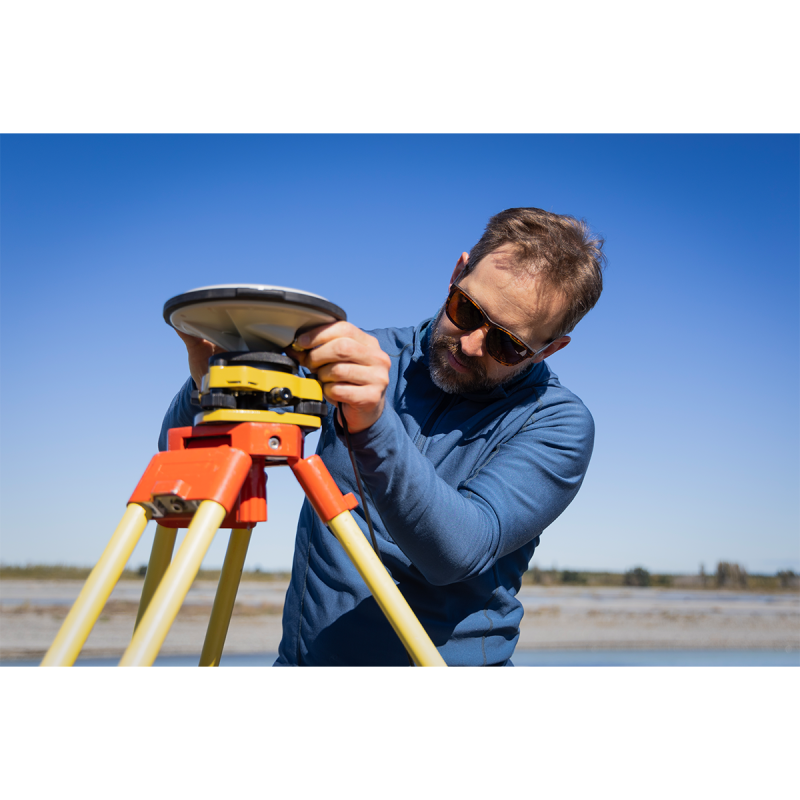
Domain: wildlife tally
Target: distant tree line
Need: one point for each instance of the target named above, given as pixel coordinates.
(731, 576)
(728, 575)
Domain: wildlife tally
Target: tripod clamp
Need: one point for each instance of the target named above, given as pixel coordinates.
(225, 463)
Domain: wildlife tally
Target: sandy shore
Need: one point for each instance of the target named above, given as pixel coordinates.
(556, 617)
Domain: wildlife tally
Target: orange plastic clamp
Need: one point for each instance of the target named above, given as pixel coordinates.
(273, 440)
(321, 490)
(207, 474)
(252, 506)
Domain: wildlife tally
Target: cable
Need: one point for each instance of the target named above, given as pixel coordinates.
(363, 501)
(343, 420)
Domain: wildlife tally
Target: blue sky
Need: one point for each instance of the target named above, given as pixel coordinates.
(689, 363)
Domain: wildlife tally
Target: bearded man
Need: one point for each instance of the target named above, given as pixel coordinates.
(467, 444)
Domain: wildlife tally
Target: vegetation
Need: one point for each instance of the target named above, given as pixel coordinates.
(731, 576)
(638, 576)
(786, 578)
(60, 572)
(553, 577)
(568, 576)
(727, 576)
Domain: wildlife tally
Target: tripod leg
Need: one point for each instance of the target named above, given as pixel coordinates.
(225, 597)
(175, 584)
(388, 596)
(160, 557)
(99, 585)
(332, 508)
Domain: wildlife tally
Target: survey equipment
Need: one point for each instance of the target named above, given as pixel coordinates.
(254, 410)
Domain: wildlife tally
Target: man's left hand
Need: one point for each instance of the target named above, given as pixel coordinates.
(351, 367)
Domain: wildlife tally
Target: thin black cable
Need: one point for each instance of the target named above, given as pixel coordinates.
(363, 501)
(358, 482)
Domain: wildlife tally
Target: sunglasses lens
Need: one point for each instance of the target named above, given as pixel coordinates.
(505, 349)
(463, 313)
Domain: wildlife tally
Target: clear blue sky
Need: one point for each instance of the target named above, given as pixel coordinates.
(689, 363)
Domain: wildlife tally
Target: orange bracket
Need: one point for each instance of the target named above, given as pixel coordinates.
(226, 463)
(277, 442)
(176, 482)
(195, 468)
(321, 490)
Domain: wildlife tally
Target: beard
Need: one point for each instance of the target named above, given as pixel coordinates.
(444, 376)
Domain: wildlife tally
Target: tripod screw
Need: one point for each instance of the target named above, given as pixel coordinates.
(274, 443)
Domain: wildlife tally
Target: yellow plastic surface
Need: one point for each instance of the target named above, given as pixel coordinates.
(160, 558)
(225, 598)
(174, 586)
(251, 379)
(101, 582)
(245, 415)
(388, 596)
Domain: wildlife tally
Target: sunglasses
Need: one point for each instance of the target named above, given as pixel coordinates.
(501, 345)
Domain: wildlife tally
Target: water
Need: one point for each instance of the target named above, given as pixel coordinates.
(526, 658)
(656, 658)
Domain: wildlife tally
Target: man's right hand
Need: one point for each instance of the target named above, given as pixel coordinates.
(351, 367)
(199, 350)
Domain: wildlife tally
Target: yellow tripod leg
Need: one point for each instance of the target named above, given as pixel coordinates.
(391, 601)
(225, 597)
(174, 586)
(160, 558)
(99, 585)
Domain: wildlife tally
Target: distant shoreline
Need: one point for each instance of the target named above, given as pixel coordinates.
(556, 617)
(734, 579)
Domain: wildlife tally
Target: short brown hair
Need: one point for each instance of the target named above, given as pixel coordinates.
(559, 248)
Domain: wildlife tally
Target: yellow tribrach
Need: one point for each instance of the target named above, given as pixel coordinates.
(243, 393)
(252, 379)
(254, 415)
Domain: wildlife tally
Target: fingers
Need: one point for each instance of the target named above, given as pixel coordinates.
(356, 385)
(187, 338)
(351, 367)
(197, 343)
(339, 342)
(199, 351)
(327, 333)
(346, 361)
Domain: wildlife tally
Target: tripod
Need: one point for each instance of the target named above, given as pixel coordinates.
(212, 475)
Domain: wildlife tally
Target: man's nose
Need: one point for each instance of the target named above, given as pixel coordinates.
(472, 343)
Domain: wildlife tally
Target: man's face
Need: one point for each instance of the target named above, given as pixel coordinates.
(511, 298)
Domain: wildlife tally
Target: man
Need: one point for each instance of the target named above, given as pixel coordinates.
(467, 444)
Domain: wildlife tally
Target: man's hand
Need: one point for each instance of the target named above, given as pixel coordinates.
(351, 367)
(199, 350)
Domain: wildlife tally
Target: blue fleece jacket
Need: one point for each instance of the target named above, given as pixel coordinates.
(459, 489)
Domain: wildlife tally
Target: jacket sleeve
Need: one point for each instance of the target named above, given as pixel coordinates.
(179, 414)
(454, 533)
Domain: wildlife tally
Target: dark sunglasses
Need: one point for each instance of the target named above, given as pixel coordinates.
(501, 345)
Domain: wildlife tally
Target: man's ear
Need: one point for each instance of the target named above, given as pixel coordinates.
(553, 347)
(461, 265)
